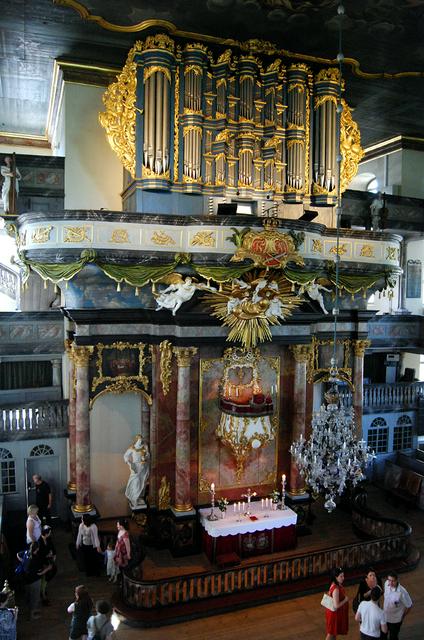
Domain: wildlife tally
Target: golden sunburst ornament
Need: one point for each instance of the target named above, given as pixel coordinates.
(250, 307)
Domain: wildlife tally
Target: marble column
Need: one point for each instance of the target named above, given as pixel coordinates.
(72, 484)
(301, 354)
(359, 347)
(81, 357)
(182, 453)
(57, 372)
(403, 261)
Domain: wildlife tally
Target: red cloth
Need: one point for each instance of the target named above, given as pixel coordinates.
(121, 555)
(338, 621)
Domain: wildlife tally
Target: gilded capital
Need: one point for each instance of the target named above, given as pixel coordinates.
(81, 355)
(359, 347)
(68, 347)
(301, 352)
(184, 355)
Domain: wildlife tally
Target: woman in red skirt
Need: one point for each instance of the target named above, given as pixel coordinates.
(337, 622)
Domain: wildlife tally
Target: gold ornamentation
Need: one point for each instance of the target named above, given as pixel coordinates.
(155, 68)
(224, 136)
(320, 100)
(161, 238)
(204, 485)
(391, 253)
(122, 381)
(317, 246)
(318, 190)
(367, 251)
(340, 250)
(301, 352)
(159, 41)
(272, 143)
(81, 355)
(225, 58)
(41, 234)
(192, 127)
(274, 66)
(296, 85)
(250, 307)
(197, 69)
(359, 347)
(164, 494)
(83, 508)
(204, 239)
(331, 75)
(307, 137)
(291, 143)
(119, 236)
(149, 173)
(319, 374)
(165, 349)
(268, 248)
(122, 386)
(176, 122)
(350, 147)
(184, 355)
(119, 117)
(196, 46)
(76, 234)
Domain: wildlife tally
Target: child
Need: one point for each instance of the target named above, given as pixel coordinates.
(111, 568)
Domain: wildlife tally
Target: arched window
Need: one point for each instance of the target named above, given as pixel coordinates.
(378, 435)
(8, 474)
(402, 433)
(41, 450)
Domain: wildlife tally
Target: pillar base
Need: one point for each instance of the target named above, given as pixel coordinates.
(80, 509)
(183, 532)
(72, 487)
(183, 510)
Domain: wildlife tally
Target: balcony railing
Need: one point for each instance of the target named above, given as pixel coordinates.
(397, 395)
(34, 420)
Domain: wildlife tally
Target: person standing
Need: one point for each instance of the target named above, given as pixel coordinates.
(7, 619)
(33, 524)
(100, 625)
(397, 604)
(48, 556)
(365, 587)
(89, 543)
(337, 621)
(81, 610)
(43, 498)
(372, 619)
(123, 545)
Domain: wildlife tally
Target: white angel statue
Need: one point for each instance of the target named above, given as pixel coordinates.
(313, 289)
(178, 292)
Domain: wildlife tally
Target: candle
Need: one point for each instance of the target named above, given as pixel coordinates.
(213, 487)
(262, 503)
(283, 478)
(238, 505)
(234, 507)
(242, 506)
(266, 503)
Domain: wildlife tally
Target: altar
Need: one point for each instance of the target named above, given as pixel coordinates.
(263, 531)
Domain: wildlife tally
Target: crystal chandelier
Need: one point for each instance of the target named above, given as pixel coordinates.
(333, 458)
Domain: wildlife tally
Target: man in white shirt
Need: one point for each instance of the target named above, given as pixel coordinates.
(397, 604)
(371, 617)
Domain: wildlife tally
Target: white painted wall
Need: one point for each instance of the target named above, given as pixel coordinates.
(404, 176)
(115, 420)
(93, 173)
(25, 150)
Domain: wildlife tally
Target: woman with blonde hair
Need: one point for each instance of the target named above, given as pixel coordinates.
(33, 524)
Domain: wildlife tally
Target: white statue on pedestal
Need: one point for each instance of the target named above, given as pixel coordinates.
(137, 457)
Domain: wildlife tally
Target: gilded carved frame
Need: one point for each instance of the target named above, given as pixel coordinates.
(122, 382)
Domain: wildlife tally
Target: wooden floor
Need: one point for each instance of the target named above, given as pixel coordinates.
(296, 619)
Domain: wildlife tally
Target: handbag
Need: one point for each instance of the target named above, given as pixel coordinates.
(98, 634)
(327, 602)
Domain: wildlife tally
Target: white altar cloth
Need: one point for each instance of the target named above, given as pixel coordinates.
(238, 523)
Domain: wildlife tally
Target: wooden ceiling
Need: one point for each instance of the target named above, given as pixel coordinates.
(384, 36)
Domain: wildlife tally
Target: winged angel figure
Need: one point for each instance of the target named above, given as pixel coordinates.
(250, 306)
(180, 290)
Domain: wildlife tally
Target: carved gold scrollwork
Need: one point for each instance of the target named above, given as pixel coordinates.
(165, 348)
(119, 116)
(41, 234)
(155, 68)
(184, 355)
(360, 346)
(76, 234)
(350, 147)
(121, 382)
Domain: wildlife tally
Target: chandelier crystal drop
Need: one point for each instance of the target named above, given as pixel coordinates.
(332, 458)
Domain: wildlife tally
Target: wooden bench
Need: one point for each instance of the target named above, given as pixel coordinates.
(405, 485)
(227, 560)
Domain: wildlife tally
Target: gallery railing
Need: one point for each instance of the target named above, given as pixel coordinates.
(34, 420)
(398, 395)
(393, 543)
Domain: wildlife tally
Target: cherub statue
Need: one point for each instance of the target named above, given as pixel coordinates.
(10, 189)
(376, 208)
(164, 494)
(178, 292)
(240, 291)
(313, 289)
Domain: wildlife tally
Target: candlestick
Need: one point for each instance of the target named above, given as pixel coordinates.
(249, 495)
(212, 516)
(283, 492)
